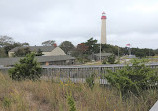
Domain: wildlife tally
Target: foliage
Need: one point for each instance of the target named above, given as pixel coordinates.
(39, 53)
(49, 43)
(104, 61)
(28, 68)
(133, 79)
(92, 45)
(47, 96)
(71, 103)
(82, 48)
(5, 40)
(111, 59)
(83, 58)
(22, 52)
(90, 80)
(6, 102)
(8, 47)
(66, 46)
(7, 43)
(107, 48)
(142, 52)
(2, 52)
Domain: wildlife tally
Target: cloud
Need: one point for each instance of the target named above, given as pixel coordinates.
(35, 21)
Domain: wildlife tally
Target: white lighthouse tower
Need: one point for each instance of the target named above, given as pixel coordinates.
(103, 29)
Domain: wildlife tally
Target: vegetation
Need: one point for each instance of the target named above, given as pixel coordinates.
(71, 103)
(82, 51)
(67, 46)
(49, 43)
(133, 79)
(28, 68)
(109, 60)
(44, 95)
(39, 52)
(7, 43)
(90, 80)
(21, 52)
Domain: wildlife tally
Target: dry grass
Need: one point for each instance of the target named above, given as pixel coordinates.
(93, 63)
(48, 96)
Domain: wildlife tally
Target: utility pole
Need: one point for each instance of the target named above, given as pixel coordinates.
(100, 52)
(118, 52)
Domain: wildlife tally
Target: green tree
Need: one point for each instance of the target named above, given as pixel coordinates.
(90, 80)
(135, 78)
(21, 52)
(39, 52)
(92, 45)
(49, 43)
(66, 46)
(28, 68)
(8, 47)
(2, 52)
(5, 40)
(111, 59)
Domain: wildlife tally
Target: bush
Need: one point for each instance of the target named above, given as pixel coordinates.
(71, 103)
(90, 80)
(110, 60)
(28, 68)
(133, 79)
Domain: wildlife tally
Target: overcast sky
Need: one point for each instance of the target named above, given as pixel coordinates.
(35, 21)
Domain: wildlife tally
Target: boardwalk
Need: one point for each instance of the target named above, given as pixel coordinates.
(79, 73)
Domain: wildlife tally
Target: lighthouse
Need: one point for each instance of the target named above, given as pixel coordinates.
(103, 28)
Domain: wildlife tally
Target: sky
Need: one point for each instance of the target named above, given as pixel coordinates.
(132, 22)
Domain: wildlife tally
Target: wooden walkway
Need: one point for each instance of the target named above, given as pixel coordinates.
(81, 72)
(78, 73)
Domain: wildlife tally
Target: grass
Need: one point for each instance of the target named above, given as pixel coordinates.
(49, 96)
(93, 63)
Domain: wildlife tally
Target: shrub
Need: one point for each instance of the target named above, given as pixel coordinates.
(90, 80)
(133, 79)
(104, 61)
(110, 60)
(71, 103)
(6, 102)
(28, 68)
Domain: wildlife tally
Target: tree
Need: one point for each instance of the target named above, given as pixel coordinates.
(49, 43)
(67, 46)
(8, 47)
(28, 68)
(22, 52)
(82, 48)
(39, 53)
(92, 45)
(111, 59)
(135, 78)
(2, 52)
(5, 40)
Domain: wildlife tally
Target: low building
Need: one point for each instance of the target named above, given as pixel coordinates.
(46, 50)
(43, 60)
(96, 57)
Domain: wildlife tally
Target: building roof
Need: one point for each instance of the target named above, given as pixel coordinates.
(35, 48)
(13, 60)
(103, 54)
